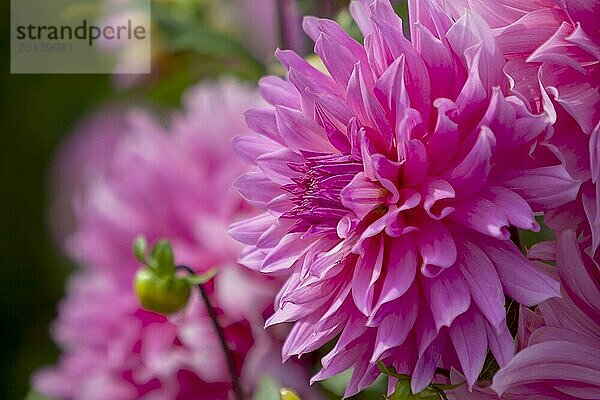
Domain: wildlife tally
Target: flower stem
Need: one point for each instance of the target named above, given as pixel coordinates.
(237, 388)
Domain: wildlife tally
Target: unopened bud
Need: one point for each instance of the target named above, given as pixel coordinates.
(165, 294)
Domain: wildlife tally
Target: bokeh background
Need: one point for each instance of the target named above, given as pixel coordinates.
(38, 111)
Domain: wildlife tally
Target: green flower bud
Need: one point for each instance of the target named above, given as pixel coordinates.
(288, 394)
(164, 294)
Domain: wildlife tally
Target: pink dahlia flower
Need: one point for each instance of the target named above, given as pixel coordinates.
(555, 46)
(562, 360)
(388, 185)
(172, 183)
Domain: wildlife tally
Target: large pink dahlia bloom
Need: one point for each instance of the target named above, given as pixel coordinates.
(388, 185)
(555, 46)
(562, 360)
(169, 182)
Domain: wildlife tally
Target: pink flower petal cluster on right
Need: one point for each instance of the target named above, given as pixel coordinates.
(391, 182)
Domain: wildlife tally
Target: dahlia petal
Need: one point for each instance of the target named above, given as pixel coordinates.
(301, 133)
(521, 280)
(366, 107)
(552, 361)
(285, 254)
(519, 37)
(448, 296)
(542, 251)
(416, 164)
(359, 9)
(380, 312)
(471, 174)
(436, 245)
(501, 343)
(277, 91)
(263, 122)
(291, 60)
(543, 188)
(314, 27)
(578, 281)
(256, 188)
(595, 154)
(340, 362)
(401, 266)
(590, 197)
(250, 230)
(439, 61)
(249, 148)
(559, 51)
(429, 15)
(416, 76)
(502, 118)
(444, 141)
(387, 173)
(363, 374)
(390, 90)
(394, 328)
(437, 190)
(484, 284)
(471, 30)
(516, 209)
(576, 92)
(483, 216)
(470, 342)
(275, 165)
(338, 60)
(586, 13)
(426, 365)
(366, 273)
(361, 195)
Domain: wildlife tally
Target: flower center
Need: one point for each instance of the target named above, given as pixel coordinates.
(317, 190)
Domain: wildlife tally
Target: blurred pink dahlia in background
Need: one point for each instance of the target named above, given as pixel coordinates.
(170, 182)
(389, 184)
(555, 46)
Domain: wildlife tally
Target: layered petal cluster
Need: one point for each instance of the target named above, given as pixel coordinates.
(388, 184)
(170, 182)
(562, 357)
(555, 46)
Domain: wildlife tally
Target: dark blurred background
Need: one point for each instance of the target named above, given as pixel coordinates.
(37, 112)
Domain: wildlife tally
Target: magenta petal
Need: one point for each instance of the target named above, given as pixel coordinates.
(436, 190)
(470, 342)
(522, 281)
(257, 188)
(543, 188)
(250, 230)
(366, 273)
(553, 361)
(501, 343)
(394, 328)
(263, 122)
(448, 296)
(483, 216)
(427, 364)
(577, 278)
(277, 91)
(401, 266)
(484, 283)
(436, 245)
(361, 195)
(249, 148)
(299, 132)
(470, 175)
